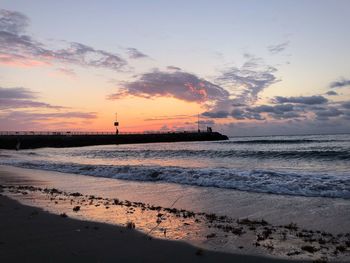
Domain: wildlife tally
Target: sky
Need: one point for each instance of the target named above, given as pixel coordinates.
(245, 67)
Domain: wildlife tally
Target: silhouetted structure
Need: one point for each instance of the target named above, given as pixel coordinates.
(30, 140)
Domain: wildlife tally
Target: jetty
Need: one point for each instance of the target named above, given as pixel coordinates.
(32, 140)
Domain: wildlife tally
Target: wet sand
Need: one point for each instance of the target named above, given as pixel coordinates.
(202, 227)
(29, 234)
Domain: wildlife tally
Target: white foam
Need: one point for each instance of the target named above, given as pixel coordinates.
(263, 181)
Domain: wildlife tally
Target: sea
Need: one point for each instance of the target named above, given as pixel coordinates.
(308, 165)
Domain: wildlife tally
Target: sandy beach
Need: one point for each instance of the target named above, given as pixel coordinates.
(68, 223)
(29, 234)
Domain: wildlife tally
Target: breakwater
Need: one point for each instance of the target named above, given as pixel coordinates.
(15, 140)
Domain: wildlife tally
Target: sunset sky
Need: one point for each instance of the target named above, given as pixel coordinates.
(247, 67)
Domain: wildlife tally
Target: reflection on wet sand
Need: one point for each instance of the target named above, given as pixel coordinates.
(247, 236)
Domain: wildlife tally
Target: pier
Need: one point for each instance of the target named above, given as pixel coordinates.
(32, 140)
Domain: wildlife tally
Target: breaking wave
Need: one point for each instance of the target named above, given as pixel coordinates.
(330, 155)
(261, 181)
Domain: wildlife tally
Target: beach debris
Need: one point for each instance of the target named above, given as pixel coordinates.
(212, 235)
(130, 225)
(310, 249)
(319, 245)
(292, 226)
(64, 215)
(76, 194)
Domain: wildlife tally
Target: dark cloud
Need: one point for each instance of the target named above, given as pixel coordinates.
(206, 122)
(134, 53)
(283, 111)
(19, 97)
(331, 93)
(287, 127)
(181, 85)
(273, 109)
(242, 114)
(17, 93)
(173, 68)
(346, 105)
(274, 49)
(340, 83)
(83, 55)
(217, 114)
(16, 47)
(308, 100)
(12, 21)
(20, 103)
(327, 113)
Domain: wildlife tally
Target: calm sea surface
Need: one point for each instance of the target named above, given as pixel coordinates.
(313, 165)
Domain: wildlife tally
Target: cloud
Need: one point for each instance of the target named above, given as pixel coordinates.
(66, 71)
(16, 47)
(27, 120)
(275, 49)
(217, 114)
(205, 122)
(288, 127)
(18, 110)
(166, 118)
(19, 97)
(17, 93)
(173, 68)
(284, 111)
(251, 79)
(19, 103)
(331, 93)
(135, 54)
(274, 109)
(242, 114)
(20, 115)
(181, 85)
(327, 113)
(308, 100)
(12, 21)
(346, 105)
(340, 83)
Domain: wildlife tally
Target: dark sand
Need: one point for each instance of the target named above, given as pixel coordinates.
(29, 234)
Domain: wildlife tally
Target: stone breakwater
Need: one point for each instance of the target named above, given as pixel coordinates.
(59, 140)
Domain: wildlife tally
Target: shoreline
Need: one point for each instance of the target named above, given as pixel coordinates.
(329, 214)
(244, 235)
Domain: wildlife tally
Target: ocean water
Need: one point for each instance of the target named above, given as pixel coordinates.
(312, 165)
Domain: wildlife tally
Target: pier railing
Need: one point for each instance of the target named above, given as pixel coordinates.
(72, 133)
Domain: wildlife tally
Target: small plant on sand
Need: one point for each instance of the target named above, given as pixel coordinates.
(76, 208)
